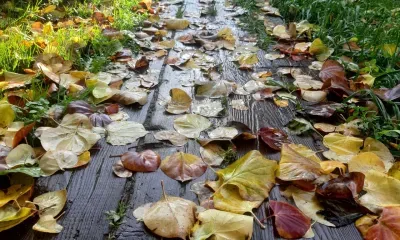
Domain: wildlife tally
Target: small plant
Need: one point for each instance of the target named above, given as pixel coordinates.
(115, 218)
(181, 11)
(230, 155)
(212, 10)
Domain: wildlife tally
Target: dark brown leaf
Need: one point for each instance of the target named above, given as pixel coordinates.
(332, 70)
(111, 109)
(273, 137)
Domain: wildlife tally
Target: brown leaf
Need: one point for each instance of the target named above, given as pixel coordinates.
(183, 166)
(22, 133)
(273, 137)
(332, 70)
(145, 161)
(388, 226)
(119, 170)
(111, 109)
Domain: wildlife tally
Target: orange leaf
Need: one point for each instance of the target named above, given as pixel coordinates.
(22, 133)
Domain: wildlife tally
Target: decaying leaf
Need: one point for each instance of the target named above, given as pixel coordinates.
(213, 152)
(208, 108)
(122, 133)
(145, 161)
(176, 24)
(21, 155)
(183, 166)
(342, 147)
(180, 101)
(171, 217)
(191, 125)
(52, 202)
(273, 137)
(75, 134)
(52, 161)
(223, 133)
(222, 225)
(387, 227)
(290, 222)
(47, 224)
(173, 136)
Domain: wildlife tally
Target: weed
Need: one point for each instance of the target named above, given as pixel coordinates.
(212, 9)
(229, 156)
(181, 11)
(124, 17)
(115, 218)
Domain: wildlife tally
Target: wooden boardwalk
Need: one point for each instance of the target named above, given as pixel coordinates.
(94, 189)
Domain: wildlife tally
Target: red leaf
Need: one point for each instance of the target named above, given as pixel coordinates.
(146, 161)
(273, 137)
(22, 133)
(111, 109)
(332, 70)
(343, 187)
(388, 226)
(290, 222)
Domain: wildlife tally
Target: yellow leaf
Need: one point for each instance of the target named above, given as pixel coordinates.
(49, 9)
(382, 191)
(7, 115)
(368, 79)
(177, 24)
(48, 28)
(146, 4)
(375, 146)
(226, 34)
(228, 199)
(83, 159)
(342, 145)
(20, 184)
(389, 49)
(320, 50)
(294, 166)
(51, 203)
(280, 32)
(330, 166)
(219, 225)
(395, 170)
(247, 59)
(253, 175)
(365, 161)
(22, 214)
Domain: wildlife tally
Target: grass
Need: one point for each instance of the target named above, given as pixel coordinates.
(181, 11)
(251, 23)
(212, 9)
(373, 25)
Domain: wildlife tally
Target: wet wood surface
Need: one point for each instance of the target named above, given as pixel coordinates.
(94, 189)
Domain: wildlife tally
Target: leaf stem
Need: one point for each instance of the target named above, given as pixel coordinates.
(258, 221)
(163, 190)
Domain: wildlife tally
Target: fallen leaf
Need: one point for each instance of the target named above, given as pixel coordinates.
(52, 161)
(7, 114)
(388, 225)
(119, 170)
(223, 133)
(208, 108)
(382, 191)
(128, 97)
(214, 152)
(374, 146)
(332, 70)
(180, 101)
(139, 212)
(80, 106)
(21, 155)
(47, 224)
(294, 166)
(273, 56)
(341, 144)
(365, 161)
(51, 203)
(299, 126)
(280, 32)
(75, 133)
(125, 132)
(290, 222)
(365, 222)
(330, 166)
(215, 89)
(320, 50)
(23, 214)
(222, 225)
(273, 137)
(339, 197)
(145, 161)
(395, 170)
(171, 217)
(176, 24)
(253, 175)
(183, 166)
(191, 125)
(100, 119)
(174, 137)
(19, 185)
(22, 134)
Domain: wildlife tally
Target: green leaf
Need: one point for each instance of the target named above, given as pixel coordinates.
(31, 171)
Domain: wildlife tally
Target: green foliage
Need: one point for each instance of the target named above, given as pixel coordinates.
(252, 23)
(33, 111)
(115, 218)
(212, 9)
(372, 24)
(124, 17)
(180, 11)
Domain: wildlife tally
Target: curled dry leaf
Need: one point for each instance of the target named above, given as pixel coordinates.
(222, 225)
(171, 217)
(191, 125)
(122, 133)
(290, 222)
(145, 161)
(20, 184)
(47, 224)
(174, 137)
(183, 166)
(382, 191)
(180, 101)
(339, 197)
(128, 97)
(75, 134)
(295, 166)
(273, 137)
(119, 170)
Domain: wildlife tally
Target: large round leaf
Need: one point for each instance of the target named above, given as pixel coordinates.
(122, 133)
(183, 166)
(191, 125)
